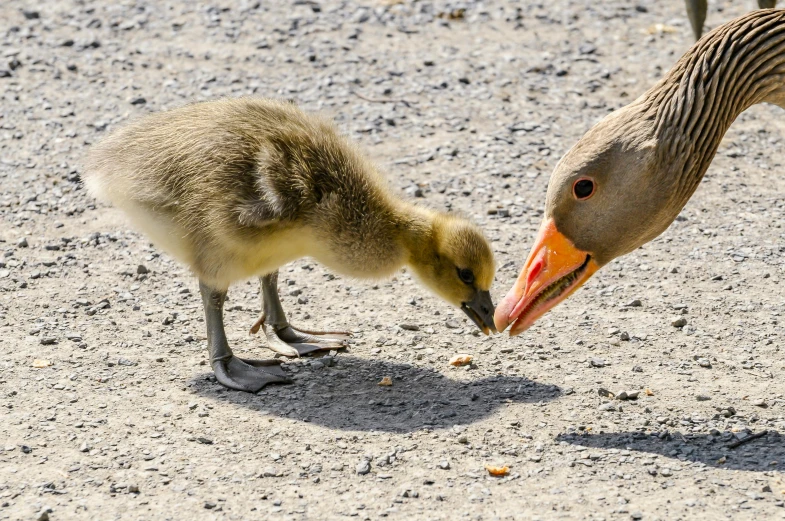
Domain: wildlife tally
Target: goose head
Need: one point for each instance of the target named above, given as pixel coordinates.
(609, 194)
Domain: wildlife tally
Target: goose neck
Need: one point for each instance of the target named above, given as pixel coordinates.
(730, 69)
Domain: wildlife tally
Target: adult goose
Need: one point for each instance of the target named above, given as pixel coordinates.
(696, 12)
(236, 188)
(628, 178)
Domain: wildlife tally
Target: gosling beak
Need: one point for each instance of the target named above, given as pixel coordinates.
(554, 270)
(480, 310)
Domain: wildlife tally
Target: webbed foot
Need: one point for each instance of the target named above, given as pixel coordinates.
(294, 342)
(282, 337)
(248, 375)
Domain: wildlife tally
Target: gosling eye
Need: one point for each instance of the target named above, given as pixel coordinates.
(466, 275)
(583, 188)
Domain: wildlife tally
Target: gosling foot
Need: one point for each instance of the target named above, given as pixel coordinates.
(293, 342)
(248, 375)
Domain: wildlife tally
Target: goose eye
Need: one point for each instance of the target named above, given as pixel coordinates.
(466, 275)
(583, 189)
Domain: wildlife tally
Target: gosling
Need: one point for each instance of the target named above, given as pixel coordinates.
(236, 188)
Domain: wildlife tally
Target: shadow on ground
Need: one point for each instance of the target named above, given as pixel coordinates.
(756, 455)
(347, 396)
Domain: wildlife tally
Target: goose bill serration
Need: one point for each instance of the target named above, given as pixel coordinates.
(628, 177)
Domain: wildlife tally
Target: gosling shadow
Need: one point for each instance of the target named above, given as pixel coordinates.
(347, 396)
(760, 454)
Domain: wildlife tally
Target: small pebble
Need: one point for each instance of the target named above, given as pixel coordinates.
(364, 467)
(597, 362)
(627, 395)
(605, 393)
(270, 472)
(679, 322)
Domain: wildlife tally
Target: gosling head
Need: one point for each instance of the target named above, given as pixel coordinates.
(456, 263)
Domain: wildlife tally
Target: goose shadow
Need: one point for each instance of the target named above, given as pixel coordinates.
(766, 453)
(347, 396)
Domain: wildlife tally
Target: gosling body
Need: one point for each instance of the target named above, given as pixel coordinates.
(236, 188)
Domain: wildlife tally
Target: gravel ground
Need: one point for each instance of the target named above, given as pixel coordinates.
(467, 106)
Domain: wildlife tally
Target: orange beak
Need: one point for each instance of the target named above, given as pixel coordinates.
(555, 268)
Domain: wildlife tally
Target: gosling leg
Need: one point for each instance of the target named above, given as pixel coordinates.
(696, 12)
(230, 371)
(282, 337)
(767, 4)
